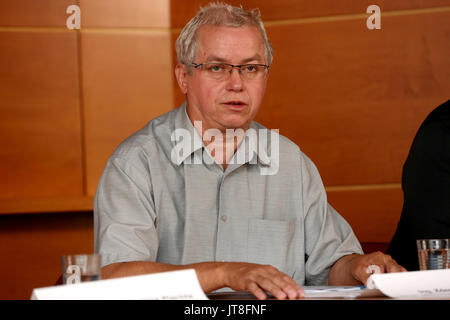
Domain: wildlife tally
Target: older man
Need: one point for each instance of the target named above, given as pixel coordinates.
(157, 209)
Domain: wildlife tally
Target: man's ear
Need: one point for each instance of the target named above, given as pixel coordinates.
(181, 75)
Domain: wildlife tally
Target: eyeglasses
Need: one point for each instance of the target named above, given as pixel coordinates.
(222, 71)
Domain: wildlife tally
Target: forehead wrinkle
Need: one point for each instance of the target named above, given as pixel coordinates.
(211, 51)
(213, 58)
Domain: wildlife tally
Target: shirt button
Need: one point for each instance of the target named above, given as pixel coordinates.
(223, 218)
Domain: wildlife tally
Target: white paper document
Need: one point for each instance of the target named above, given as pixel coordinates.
(413, 284)
(428, 284)
(174, 285)
(340, 292)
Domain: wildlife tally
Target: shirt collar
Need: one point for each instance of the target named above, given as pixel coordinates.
(255, 146)
(184, 127)
(251, 145)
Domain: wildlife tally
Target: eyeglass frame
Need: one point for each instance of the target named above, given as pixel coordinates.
(238, 66)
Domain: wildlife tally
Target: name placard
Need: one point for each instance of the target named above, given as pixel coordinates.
(173, 285)
(433, 284)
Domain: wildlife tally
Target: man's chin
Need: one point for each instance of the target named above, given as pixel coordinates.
(236, 123)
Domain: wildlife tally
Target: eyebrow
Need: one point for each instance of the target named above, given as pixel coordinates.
(256, 57)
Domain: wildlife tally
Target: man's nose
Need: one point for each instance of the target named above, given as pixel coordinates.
(235, 82)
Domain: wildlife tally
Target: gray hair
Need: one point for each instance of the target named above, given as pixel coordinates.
(219, 14)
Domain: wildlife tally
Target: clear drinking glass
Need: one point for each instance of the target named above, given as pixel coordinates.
(81, 268)
(433, 254)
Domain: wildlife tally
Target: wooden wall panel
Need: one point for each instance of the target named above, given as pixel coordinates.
(94, 13)
(39, 116)
(41, 13)
(373, 212)
(31, 247)
(38, 205)
(182, 11)
(352, 98)
(130, 13)
(127, 81)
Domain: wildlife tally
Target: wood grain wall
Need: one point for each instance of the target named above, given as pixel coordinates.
(350, 97)
(69, 97)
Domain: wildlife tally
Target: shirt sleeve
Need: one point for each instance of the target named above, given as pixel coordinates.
(328, 237)
(124, 215)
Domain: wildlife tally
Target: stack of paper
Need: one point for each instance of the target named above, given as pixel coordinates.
(340, 292)
(428, 284)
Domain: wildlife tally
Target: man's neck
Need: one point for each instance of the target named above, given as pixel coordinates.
(223, 147)
(222, 143)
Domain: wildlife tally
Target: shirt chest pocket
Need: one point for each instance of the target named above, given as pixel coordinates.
(272, 242)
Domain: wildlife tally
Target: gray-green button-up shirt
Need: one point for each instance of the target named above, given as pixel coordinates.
(154, 203)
